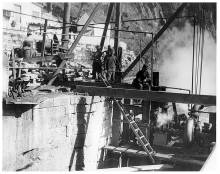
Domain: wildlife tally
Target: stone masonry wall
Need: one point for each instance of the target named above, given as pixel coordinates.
(62, 133)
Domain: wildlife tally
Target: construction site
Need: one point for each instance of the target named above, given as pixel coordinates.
(108, 86)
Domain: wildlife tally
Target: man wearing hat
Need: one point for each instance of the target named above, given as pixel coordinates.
(97, 63)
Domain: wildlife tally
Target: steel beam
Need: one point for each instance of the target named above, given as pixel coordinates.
(76, 41)
(169, 21)
(106, 25)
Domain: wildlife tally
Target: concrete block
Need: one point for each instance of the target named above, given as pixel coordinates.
(70, 109)
(61, 100)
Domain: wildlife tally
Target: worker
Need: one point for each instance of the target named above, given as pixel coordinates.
(142, 80)
(97, 63)
(111, 65)
(105, 62)
(28, 46)
(55, 40)
(137, 83)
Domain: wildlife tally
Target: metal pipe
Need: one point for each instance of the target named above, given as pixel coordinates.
(66, 18)
(44, 39)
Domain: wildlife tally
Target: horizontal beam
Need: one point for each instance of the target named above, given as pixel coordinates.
(157, 167)
(136, 109)
(148, 95)
(101, 84)
(166, 157)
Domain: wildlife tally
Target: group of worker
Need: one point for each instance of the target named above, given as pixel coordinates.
(107, 66)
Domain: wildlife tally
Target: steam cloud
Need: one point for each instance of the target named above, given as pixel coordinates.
(175, 67)
(176, 53)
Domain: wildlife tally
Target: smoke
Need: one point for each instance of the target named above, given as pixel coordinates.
(164, 118)
(176, 53)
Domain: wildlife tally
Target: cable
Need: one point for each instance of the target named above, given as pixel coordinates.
(33, 16)
(194, 23)
(202, 48)
(14, 29)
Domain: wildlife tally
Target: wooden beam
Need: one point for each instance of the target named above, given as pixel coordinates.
(166, 157)
(117, 26)
(106, 25)
(148, 95)
(169, 21)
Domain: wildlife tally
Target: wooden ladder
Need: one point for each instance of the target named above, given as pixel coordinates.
(138, 133)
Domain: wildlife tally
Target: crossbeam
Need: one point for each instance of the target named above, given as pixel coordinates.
(148, 95)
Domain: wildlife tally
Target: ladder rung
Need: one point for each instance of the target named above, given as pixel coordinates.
(142, 137)
(132, 122)
(147, 144)
(152, 152)
(137, 129)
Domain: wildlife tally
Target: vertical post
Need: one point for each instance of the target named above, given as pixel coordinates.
(146, 111)
(116, 125)
(175, 111)
(66, 20)
(116, 40)
(13, 63)
(146, 116)
(107, 21)
(152, 58)
(44, 39)
(125, 133)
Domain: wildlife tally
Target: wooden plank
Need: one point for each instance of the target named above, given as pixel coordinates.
(158, 167)
(148, 95)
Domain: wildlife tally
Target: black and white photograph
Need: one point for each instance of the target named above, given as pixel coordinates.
(109, 86)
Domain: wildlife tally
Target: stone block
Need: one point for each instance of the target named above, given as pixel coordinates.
(61, 100)
(70, 109)
(45, 103)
